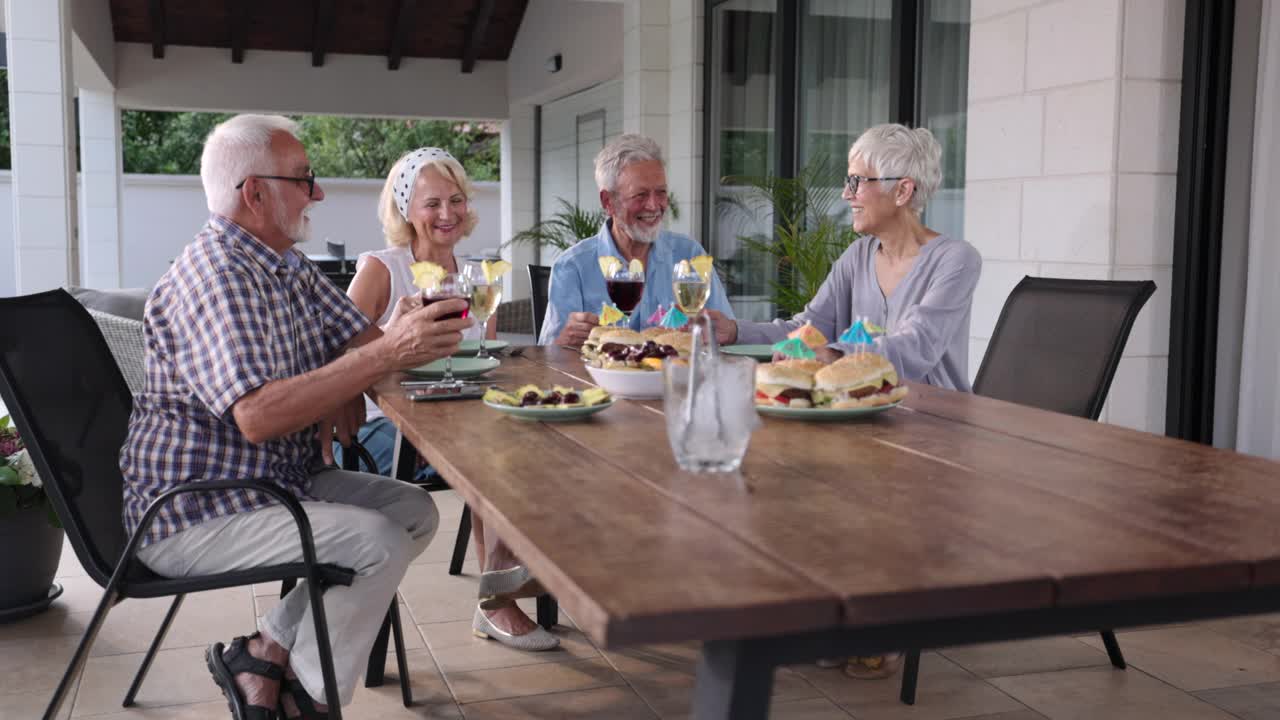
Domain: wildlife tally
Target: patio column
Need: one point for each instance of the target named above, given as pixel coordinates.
(662, 92)
(43, 144)
(684, 148)
(101, 169)
(645, 69)
(517, 196)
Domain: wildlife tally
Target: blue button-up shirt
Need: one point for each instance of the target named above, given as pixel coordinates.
(229, 316)
(578, 286)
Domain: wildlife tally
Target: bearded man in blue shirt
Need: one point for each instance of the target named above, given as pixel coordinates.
(632, 180)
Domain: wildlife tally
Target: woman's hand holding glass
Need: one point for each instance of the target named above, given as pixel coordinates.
(450, 289)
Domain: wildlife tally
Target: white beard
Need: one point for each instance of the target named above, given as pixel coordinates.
(642, 234)
(299, 231)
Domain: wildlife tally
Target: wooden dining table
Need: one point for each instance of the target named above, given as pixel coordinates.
(950, 519)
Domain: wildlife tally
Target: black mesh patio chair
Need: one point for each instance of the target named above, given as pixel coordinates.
(1056, 347)
(539, 287)
(71, 406)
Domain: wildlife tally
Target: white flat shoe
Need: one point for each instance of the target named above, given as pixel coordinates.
(533, 641)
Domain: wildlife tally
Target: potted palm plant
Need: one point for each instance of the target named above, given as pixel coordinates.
(804, 237)
(27, 521)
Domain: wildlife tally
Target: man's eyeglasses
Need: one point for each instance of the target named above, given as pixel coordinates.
(310, 180)
(852, 181)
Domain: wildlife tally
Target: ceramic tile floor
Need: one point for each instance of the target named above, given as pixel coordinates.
(1221, 669)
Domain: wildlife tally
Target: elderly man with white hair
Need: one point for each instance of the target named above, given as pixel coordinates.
(901, 275)
(254, 360)
(632, 181)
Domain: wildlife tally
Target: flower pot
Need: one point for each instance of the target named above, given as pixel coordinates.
(30, 549)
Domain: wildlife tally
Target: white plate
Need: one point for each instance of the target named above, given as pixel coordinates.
(636, 384)
(823, 413)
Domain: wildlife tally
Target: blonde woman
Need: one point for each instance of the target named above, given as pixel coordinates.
(426, 210)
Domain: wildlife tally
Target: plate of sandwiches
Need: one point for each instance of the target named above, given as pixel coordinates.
(853, 386)
(628, 363)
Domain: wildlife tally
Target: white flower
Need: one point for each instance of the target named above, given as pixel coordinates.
(21, 463)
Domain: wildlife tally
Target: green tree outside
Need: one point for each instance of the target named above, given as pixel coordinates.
(169, 143)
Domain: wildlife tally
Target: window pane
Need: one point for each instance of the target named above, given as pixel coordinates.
(944, 97)
(845, 61)
(742, 144)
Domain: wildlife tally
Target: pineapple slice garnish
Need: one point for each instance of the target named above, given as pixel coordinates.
(636, 266)
(609, 265)
(426, 275)
(494, 270)
(703, 264)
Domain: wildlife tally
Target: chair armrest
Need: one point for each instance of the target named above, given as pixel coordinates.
(286, 498)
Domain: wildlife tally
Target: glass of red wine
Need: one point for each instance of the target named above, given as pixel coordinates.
(451, 286)
(625, 290)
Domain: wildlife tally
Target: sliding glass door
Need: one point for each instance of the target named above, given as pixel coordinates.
(848, 65)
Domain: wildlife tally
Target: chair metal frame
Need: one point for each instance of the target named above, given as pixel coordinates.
(127, 578)
(1140, 292)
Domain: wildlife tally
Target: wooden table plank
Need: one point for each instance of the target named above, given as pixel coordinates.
(894, 532)
(629, 564)
(957, 506)
(1222, 499)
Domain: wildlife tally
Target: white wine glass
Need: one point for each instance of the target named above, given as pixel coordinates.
(485, 297)
(691, 289)
(450, 286)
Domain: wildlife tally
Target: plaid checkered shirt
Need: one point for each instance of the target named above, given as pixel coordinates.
(229, 316)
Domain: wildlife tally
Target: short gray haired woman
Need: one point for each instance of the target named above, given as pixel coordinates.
(911, 280)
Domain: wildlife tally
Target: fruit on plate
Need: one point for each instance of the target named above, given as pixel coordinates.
(558, 396)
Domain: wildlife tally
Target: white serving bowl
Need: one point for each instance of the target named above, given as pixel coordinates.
(636, 384)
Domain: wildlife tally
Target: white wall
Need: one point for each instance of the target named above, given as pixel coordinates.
(191, 78)
(588, 37)
(567, 171)
(162, 213)
(1072, 150)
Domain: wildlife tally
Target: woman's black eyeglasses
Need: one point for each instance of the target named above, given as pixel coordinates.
(310, 180)
(852, 181)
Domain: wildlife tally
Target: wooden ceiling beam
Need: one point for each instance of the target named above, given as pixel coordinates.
(239, 29)
(156, 8)
(475, 33)
(321, 31)
(400, 32)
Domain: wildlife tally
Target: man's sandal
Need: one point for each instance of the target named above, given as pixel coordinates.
(225, 663)
(301, 699)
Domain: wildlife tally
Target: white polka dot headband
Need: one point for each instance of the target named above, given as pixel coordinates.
(409, 173)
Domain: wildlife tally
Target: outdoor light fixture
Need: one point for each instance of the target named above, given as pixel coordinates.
(554, 63)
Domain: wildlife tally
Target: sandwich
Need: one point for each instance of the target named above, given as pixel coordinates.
(857, 380)
(654, 332)
(681, 342)
(616, 347)
(788, 383)
(591, 345)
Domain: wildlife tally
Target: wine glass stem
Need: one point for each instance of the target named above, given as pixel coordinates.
(448, 369)
(483, 353)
